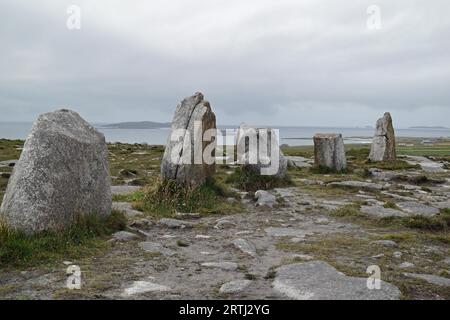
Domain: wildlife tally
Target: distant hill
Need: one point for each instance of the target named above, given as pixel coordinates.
(138, 125)
(426, 127)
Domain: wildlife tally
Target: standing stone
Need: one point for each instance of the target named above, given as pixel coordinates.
(267, 161)
(383, 145)
(329, 151)
(183, 159)
(62, 173)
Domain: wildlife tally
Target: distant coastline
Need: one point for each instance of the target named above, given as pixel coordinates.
(137, 125)
(429, 127)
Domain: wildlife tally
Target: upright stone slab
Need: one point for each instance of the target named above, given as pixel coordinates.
(62, 173)
(383, 145)
(329, 151)
(183, 159)
(259, 152)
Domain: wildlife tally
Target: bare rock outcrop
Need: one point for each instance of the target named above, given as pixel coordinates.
(62, 173)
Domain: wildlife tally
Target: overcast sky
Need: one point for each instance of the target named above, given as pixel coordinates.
(278, 62)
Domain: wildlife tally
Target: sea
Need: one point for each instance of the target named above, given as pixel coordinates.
(293, 136)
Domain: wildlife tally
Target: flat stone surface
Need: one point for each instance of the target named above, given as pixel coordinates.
(224, 265)
(406, 265)
(124, 236)
(386, 243)
(140, 287)
(317, 280)
(417, 208)
(245, 246)
(382, 212)
(124, 190)
(286, 232)
(426, 164)
(265, 198)
(430, 278)
(127, 208)
(234, 286)
(154, 247)
(299, 162)
(175, 224)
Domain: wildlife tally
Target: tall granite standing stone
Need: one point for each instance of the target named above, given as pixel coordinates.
(62, 173)
(383, 145)
(329, 151)
(184, 160)
(267, 161)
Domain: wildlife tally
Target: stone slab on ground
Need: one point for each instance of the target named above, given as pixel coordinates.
(124, 190)
(317, 280)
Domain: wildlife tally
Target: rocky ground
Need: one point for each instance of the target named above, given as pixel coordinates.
(312, 240)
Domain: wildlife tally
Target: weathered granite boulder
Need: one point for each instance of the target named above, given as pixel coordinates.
(258, 151)
(383, 145)
(63, 172)
(329, 151)
(184, 160)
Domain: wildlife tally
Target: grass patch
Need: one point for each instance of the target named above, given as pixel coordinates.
(440, 222)
(419, 180)
(326, 170)
(351, 210)
(250, 181)
(20, 250)
(391, 205)
(165, 198)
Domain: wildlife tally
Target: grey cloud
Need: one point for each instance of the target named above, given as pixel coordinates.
(282, 63)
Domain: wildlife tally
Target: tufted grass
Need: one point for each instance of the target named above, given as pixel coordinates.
(250, 181)
(18, 250)
(165, 198)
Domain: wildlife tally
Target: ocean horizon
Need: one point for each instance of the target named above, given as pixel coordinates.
(293, 136)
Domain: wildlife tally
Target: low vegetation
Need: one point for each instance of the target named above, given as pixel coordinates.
(165, 198)
(440, 222)
(250, 181)
(86, 235)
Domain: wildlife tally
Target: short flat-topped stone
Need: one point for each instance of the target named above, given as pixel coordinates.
(317, 280)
